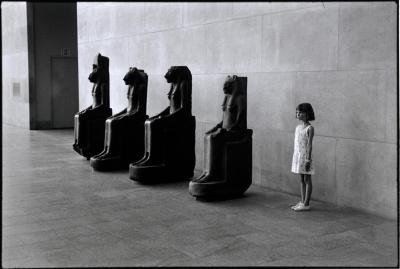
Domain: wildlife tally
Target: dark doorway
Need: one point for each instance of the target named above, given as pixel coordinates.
(64, 94)
(53, 65)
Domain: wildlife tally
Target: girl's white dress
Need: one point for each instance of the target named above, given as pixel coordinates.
(300, 151)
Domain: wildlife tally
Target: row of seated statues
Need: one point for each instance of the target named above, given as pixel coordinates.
(162, 148)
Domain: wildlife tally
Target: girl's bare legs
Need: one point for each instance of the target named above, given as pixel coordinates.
(303, 188)
(308, 189)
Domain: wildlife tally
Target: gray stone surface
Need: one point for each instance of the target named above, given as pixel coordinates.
(219, 47)
(374, 45)
(14, 38)
(198, 13)
(366, 174)
(265, 91)
(391, 106)
(210, 86)
(324, 185)
(157, 94)
(257, 8)
(292, 42)
(247, 45)
(58, 212)
(161, 16)
(345, 99)
(276, 151)
(194, 49)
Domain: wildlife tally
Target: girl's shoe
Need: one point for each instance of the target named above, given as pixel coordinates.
(296, 205)
(302, 207)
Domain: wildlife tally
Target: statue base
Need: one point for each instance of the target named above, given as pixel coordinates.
(217, 189)
(234, 176)
(108, 164)
(158, 174)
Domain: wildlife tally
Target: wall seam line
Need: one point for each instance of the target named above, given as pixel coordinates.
(338, 37)
(335, 173)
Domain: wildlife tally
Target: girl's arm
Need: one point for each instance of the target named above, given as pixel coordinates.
(310, 132)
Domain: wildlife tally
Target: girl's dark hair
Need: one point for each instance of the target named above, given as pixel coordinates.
(307, 108)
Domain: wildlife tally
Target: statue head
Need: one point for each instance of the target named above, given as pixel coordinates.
(231, 84)
(178, 73)
(134, 76)
(100, 69)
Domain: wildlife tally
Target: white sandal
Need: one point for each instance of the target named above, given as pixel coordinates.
(302, 207)
(296, 205)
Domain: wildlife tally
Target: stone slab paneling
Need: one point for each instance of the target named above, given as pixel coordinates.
(291, 40)
(324, 181)
(391, 106)
(162, 16)
(194, 48)
(264, 92)
(246, 42)
(157, 91)
(366, 175)
(15, 74)
(340, 57)
(198, 13)
(275, 163)
(207, 97)
(343, 102)
(249, 9)
(367, 35)
(220, 50)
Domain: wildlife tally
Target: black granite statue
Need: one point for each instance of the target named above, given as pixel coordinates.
(170, 135)
(124, 131)
(227, 148)
(89, 123)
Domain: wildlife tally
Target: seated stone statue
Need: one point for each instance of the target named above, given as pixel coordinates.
(227, 147)
(170, 135)
(124, 131)
(89, 123)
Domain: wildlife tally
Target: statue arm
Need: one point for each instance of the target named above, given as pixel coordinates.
(95, 111)
(185, 95)
(185, 99)
(215, 128)
(119, 114)
(85, 110)
(161, 114)
(105, 95)
(141, 100)
(239, 116)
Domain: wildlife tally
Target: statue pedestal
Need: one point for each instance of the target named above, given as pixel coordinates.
(233, 177)
(170, 153)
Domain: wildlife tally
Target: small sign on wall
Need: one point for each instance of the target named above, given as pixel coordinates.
(65, 52)
(16, 89)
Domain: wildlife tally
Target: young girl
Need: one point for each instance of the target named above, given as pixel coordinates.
(302, 157)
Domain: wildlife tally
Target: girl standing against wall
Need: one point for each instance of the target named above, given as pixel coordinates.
(302, 155)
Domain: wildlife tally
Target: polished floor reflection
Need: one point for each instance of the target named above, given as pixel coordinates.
(58, 212)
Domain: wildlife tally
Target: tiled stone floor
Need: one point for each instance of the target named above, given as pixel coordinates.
(58, 212)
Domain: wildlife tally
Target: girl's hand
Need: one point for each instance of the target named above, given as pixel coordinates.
(308, 165)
